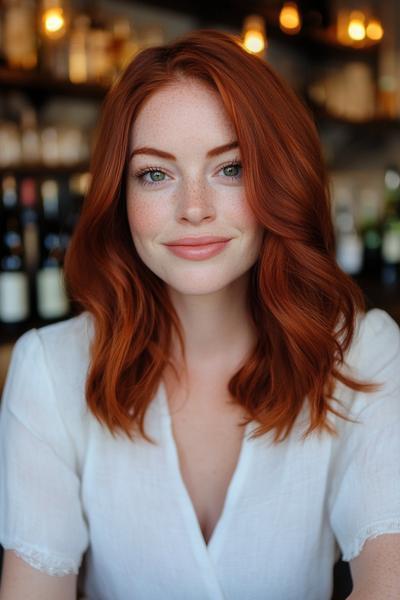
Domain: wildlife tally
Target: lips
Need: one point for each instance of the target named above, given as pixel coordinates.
(197, 241)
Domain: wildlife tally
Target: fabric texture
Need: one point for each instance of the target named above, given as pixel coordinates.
(74, 499)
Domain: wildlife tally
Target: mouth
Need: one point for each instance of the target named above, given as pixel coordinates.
(198, 241)
(197, 251)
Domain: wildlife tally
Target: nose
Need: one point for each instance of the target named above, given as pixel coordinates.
(195, 202)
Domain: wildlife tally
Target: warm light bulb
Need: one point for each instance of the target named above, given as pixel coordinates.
(54, 22)
(254, 39)
(289, 18)
(356, 27)
(374, 30)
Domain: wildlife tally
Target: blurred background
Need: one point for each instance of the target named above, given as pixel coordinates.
(58, 58)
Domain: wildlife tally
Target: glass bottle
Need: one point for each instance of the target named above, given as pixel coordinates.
(14, 283)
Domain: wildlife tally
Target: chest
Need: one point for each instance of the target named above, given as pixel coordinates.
(208, 440)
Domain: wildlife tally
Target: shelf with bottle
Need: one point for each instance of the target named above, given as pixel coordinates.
(321, 44)
(36, 82)
(51, 139)
(318, 33)
(367, 224)
(40, 169)
(38, 216)
(382, 124)
(81, 54)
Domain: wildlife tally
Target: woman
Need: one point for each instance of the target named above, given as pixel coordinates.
(211, 308)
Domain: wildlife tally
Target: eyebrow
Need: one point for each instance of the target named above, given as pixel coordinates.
(162, 154)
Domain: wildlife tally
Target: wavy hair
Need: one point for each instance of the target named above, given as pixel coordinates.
(303, 305)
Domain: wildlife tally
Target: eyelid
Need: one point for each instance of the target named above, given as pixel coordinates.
(162, 169)
(145, 170)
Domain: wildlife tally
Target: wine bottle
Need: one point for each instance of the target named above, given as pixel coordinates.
(30, 137)
(14, 283)
(30, 225)
(371, 232)
(349, 247)
(391, 228)
(52, 300)
(19, 33)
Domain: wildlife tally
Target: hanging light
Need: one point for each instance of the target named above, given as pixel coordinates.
(254, 37)
(356, 26)
(374, 30)
(53, 19)
(289, 18)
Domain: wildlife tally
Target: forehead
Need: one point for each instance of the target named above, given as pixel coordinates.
(180, 112)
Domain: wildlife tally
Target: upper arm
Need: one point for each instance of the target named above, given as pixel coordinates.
(376, 570)
(42, 516)
(20, 581)
(364, 487)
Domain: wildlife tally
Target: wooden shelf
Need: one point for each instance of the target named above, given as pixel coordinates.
(46, 170)
(44, 84)
(381, 124)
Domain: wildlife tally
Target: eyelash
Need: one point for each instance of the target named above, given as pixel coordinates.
(140, 175)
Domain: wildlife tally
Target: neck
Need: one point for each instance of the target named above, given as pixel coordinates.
(218, 330)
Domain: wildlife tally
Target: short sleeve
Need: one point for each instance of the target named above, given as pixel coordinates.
(41, 515)
(364, 500)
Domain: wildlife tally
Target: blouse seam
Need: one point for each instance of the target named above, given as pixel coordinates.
(25, 549)
(388, 525)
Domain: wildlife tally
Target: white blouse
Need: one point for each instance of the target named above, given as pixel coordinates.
(74, 498)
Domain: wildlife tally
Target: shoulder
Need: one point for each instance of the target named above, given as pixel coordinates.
(47, 373)
(378, 322)
(376, 342)
(65, 344)
(74, 330)
(373, 357)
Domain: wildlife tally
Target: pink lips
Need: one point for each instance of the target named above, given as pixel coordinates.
(197, 248)
(196, 241)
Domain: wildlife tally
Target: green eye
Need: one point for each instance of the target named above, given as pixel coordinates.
(156, 176)
(233, 170)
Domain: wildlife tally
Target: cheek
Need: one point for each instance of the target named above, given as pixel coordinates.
(145, 218)
(250, 227)
(242, 214)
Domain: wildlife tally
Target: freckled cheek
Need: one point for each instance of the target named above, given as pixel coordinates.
(247, 223)
(242, 215)
(145, 219)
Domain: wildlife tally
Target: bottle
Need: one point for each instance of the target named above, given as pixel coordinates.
(99, 55)
(30, 137)
(78, 50)
(51, 298)
(30, 225)
(391, 253)
(19, 34)
(124, 44)
(391, 228)
(349, 246)
(14, 283)
(54, 40)
(371, 232)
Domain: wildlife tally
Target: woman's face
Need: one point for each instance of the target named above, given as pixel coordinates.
(189, 191)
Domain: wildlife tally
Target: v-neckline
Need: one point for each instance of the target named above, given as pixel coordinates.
(215, 541)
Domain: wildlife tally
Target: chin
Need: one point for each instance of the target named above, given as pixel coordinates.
(207, 283)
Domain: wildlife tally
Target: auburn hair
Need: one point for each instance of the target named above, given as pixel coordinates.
(304, 306)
